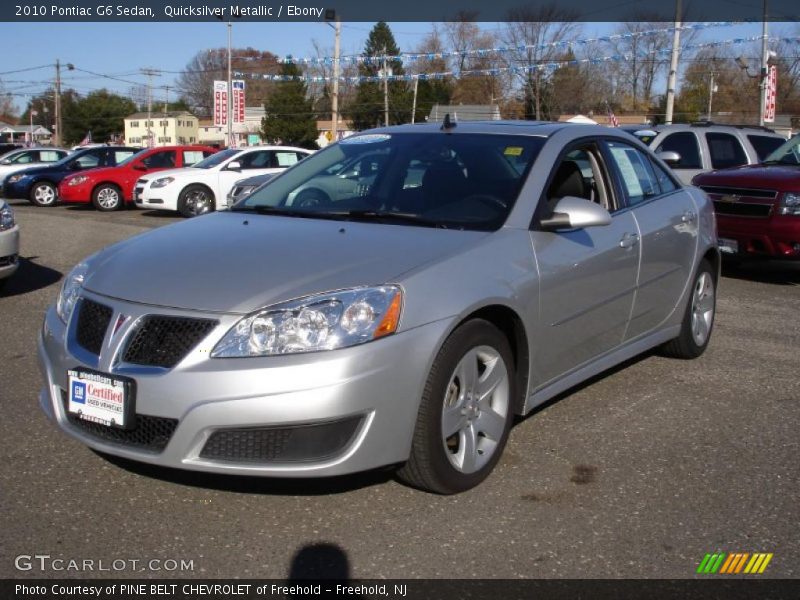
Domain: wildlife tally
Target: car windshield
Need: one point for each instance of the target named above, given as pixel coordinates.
(787, 154)
(460, 181)
(216, 159)
(130, 159)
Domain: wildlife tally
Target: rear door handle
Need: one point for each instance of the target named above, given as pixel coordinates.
(629, 240)
(688, 217)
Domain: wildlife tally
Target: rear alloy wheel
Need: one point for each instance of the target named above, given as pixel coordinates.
(44, 193)
(698, 320)
(195, 200)
(466, 412)
(107, 197)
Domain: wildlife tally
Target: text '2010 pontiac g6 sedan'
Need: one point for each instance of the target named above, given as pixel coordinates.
(458, 276)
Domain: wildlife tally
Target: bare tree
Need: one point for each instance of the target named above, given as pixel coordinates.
(465, 37)
(195, 84)
(537, 34)
(7, 107)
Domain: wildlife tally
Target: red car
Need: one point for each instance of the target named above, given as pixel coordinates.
(758, 206)
(109, 188)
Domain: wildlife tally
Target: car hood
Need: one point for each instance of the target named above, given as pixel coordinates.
(240, 262)
(778, 177)
(181, 172)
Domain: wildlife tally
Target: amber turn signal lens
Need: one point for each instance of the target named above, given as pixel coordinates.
(391, 319)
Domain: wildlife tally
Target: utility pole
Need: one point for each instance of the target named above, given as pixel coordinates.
(414, 103)
(230, 89)
(762, 87)
(335, 98)
(385, 90)
(150, 74)
(710, 93)
(59, 137)
(673, 64)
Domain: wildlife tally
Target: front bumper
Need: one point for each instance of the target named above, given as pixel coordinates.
(159, 198)
(9, 251)
(378, 383)
(777, 236)
(19, 190)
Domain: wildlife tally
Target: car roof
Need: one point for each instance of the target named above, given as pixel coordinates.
(708, 126)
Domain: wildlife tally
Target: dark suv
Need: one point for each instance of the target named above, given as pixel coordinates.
(40, 184)
(758, 206)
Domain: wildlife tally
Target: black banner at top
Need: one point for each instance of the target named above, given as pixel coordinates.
(405, 10)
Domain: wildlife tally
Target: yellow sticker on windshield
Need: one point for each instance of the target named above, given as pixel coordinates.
(513, 151)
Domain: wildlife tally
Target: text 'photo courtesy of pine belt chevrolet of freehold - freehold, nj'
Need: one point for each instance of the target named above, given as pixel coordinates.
(400, 300)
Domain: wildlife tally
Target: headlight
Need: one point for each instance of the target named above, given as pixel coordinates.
(78, 180)
(15, 178)
(321, 322)
(159, 183)
(70, 290)
(790, 205)
(6, 217)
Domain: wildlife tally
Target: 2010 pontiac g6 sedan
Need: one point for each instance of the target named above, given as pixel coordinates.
(465, 274)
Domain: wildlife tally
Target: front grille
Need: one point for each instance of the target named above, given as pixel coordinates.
(742, 209)
(281, 444)
(149, 433)
(93, 320)
(8, 260)
(164, 341)
(740, 192)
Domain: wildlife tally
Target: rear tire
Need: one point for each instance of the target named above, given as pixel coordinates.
(698, 320)
(196, 200)
(44, 193)
(466, 412)
(107, 197)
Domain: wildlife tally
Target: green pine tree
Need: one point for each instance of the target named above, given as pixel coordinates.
(367, 109)
(290, 118)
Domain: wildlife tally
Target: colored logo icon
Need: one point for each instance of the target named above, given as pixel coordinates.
(734, 563)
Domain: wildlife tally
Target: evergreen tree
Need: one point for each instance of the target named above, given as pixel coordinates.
(367, 109)
(290, 118)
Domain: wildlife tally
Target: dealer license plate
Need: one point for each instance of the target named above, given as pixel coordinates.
(727, 246)
(101, 398)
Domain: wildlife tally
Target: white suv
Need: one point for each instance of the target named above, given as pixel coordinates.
(700, 147)
(204, 186)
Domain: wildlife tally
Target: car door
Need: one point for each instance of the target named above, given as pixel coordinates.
(667, 219)
(157, 161)
(687, 145)
(587, 276)
(254, 162)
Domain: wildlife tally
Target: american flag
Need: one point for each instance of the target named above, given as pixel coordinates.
(612, 118)
(87, 140)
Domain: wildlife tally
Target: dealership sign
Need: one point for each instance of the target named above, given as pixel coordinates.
(220, 103)
(238, 100)
(770, 91)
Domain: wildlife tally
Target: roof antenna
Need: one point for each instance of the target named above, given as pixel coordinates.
(448, 124)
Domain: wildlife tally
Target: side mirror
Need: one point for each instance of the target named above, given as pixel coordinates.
(234, 165)
(576, 213)
(75, 166)
(669, 157)
(5, 162)
(139, 167)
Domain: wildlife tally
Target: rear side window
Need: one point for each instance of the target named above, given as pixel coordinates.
(89, 160)
(636, 172)
(764, 145)
(725, 150)
(192, 156)
(284, 159)
(685, 144)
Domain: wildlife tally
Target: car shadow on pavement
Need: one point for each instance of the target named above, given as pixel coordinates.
(159, 214)
(29, 278)
(775, 272)
(242, 484)
(319, 561)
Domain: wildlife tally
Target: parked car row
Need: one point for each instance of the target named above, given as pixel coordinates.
(189, 179)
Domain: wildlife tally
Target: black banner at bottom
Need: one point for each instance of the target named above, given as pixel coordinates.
(408, 589)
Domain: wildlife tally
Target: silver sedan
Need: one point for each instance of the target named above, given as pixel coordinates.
(475, 272)
(9, 242)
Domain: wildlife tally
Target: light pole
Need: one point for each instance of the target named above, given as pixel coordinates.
(711, 90)
(59, 132)
(230, 89)
(673, 64)
(741, 62)
(337, 27)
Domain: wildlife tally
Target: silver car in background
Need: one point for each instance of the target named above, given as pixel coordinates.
(476, 271)
(9, 242)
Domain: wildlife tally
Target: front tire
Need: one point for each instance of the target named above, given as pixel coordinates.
(466, 411)
(196, 200)
(44, 193)
(698, 320)
(107, 197)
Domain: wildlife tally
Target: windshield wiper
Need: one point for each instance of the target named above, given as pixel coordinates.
(779, 162)
(385, 216)
(272, 210)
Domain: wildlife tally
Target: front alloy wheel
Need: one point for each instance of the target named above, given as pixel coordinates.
(465, 413)
(44, 194)
(195, 200)
(698, 320)
(107, 198)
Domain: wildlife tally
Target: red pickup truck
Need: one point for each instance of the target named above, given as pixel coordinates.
(758, 206)
(109, 188)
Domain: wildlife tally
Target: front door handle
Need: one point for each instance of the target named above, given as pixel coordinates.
(629, 240)
(688, 216)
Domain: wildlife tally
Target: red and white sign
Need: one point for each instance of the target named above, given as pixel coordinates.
(770, 91)
(220, 103)
(238, 100)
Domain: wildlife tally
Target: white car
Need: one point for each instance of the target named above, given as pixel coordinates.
(204, 186)
(9, 242)
(28, 157)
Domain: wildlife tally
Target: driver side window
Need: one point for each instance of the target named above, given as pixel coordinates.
(579, 174)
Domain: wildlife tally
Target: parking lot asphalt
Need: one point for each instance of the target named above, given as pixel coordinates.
(639, 473)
